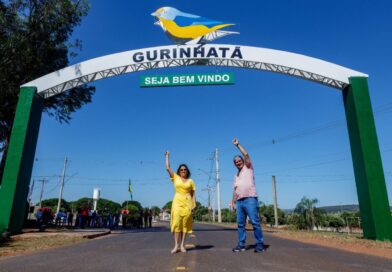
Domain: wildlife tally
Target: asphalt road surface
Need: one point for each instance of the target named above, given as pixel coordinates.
(209, 250)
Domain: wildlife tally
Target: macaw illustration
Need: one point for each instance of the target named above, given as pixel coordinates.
(185, 28)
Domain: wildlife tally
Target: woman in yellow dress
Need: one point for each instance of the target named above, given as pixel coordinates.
(184, 202)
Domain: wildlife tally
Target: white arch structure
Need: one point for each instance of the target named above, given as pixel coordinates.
(369, 174)
(283, 62)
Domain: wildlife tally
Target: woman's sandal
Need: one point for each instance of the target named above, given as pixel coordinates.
(174, 250)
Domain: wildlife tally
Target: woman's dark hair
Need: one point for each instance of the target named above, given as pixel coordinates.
(188, 172)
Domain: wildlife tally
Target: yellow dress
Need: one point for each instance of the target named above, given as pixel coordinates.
(181, 210)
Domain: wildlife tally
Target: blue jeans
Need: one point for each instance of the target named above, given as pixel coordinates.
(249, 206)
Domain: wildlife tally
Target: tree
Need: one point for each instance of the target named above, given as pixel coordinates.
(268, 213)
(167, 206)
(102, 204)
(133, 217)
(134, 203)
(155, 210)
(319, 217)
(228, 216)
(334, 221)
(199, 211)
(133, 212)
(34, 41)
(84, 202)
(306, 209)
(109, 205)
(297, 221)
(52, 203)
(350, 218)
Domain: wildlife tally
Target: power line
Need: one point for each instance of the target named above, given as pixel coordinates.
(54, 188)
(384, 108)
(120, 182)
(301, 167)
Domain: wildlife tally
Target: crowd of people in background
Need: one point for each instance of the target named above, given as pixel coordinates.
(87, 218)
(140, 219)
(45, 217)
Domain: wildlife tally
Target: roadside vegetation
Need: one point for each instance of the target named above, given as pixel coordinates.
(305, 216)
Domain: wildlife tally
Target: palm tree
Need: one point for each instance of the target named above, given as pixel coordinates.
(306, 208)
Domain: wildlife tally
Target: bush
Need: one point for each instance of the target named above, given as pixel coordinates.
(228, 216)
(334, 221)
(268, 213)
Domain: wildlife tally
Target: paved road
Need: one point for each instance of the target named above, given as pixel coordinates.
(150, 251)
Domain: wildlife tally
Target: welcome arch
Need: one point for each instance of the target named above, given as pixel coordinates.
(207, 55)
(369, 175)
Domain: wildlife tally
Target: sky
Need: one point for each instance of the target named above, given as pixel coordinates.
(292, 128)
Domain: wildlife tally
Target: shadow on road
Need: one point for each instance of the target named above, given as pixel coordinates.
(200, 247)
(217, 229)
(254, 246)
(153, 229)
(165, 229)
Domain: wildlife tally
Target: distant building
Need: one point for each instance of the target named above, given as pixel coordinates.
(164, 215)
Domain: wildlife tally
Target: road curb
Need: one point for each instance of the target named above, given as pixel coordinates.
(95, 235)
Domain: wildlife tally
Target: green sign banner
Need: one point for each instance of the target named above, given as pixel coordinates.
(187, 80)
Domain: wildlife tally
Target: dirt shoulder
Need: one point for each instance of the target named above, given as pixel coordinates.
(31, 241)
(343, 241)
(352, 243)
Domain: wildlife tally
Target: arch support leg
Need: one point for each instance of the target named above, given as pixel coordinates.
(369, 175)
(19, 161)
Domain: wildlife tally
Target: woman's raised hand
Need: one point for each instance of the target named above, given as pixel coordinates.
(235, 141)
(167, 154)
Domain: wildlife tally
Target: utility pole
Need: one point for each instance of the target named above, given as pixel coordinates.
(43, 181)
(62, 185)
(218, 186)
(208, 189)
(209, 198)
(275, 201)
(213, 205)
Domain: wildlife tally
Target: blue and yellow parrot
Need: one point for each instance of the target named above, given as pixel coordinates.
(185, 28)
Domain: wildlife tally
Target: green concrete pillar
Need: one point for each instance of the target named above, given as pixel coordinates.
(369, 175)
(20, 159)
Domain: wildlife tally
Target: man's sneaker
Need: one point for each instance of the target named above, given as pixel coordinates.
(239, 249)
(259, 249)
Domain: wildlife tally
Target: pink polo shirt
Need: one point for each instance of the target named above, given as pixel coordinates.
(244, 183)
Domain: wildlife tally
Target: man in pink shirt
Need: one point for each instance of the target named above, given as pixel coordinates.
(245, 200)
